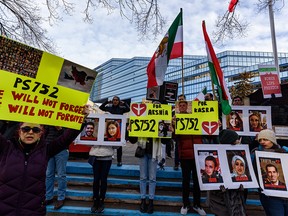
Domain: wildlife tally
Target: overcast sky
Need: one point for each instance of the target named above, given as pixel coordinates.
(111, 36)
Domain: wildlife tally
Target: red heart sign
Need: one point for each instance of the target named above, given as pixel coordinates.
(209, 127)
(138, 109)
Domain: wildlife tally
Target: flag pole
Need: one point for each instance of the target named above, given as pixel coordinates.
(274, 45)
(182, 59)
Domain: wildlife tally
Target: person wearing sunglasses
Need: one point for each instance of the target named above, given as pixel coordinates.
(23, 163)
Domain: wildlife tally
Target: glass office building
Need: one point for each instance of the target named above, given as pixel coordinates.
(127, 77)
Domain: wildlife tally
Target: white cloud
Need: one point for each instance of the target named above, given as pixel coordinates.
(111, 36)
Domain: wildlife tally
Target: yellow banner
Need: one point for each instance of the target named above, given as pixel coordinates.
(39, 87)
(202, 121)
(150, 120)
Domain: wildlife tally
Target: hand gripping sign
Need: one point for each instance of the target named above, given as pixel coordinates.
(150, 120)
(202, 121)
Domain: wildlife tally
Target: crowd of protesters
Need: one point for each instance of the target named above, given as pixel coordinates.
(31, 155)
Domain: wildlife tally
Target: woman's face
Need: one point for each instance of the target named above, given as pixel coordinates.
(239, 167)
(30, 133)
(112, 130)
(209, 167)
(254, 121)
(234, 121)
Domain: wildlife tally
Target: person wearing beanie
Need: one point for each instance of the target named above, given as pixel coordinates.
(228, 136)
(227, 202)
(267, 142)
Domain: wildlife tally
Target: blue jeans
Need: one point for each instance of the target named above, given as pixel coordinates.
(274, 205)
(57, 164)
(148, 166)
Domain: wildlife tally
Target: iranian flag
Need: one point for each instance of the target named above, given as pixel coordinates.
(170, 47)
(201, 95)
(217, 75)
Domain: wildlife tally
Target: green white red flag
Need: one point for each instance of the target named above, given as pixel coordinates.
(201, 95)
(170, 47)
(217, 75)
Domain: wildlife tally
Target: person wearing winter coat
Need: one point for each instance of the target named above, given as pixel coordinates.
(23, 164)
(267, 142)
(118, 107)
(100, 158)
(227, 202)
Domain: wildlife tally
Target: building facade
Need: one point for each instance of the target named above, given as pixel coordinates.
(127, 77)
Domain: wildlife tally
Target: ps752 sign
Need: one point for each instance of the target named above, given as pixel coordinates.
(150, 120)
(202, 121)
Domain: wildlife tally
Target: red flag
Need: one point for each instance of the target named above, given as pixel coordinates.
(232, 5)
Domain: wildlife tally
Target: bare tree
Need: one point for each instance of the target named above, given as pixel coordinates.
(230, 26)
(22, 20)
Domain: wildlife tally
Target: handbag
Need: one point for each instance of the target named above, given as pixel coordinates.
(140, 152)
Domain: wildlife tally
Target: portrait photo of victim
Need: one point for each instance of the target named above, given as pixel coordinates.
(210, 167)
(238, 166)
(257, 120)
(164, 130)
(113, 130)
(90, 130)
(272, 174)
(234, 120)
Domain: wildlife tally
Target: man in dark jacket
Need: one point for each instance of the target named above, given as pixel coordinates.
(116, 107)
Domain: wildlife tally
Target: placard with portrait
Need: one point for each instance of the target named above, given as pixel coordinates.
(272, 170)
(103, 129)
(228, 165)
(248, 120)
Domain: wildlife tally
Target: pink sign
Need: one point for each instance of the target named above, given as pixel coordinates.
(270, 84)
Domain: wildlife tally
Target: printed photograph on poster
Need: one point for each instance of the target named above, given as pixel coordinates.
(103, 129)
(227, 165)
(113, 129)
(76, 77)
(90, 131)
(239, 169)
(234, 120)
(272, 170)
(153, 93)
(210, 168)
(272, 173)
(257, 120)
(170, 91)
(183, 107)
(19, 58)
(248, 120)
(164, 129)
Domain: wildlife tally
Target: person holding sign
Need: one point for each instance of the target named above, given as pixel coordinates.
(23, 162)
(188, 166)
(211, 174)
(116, 107)
(272, 205)
(227, 202)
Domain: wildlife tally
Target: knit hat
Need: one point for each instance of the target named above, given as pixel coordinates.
(227, 136)
(267, 134)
